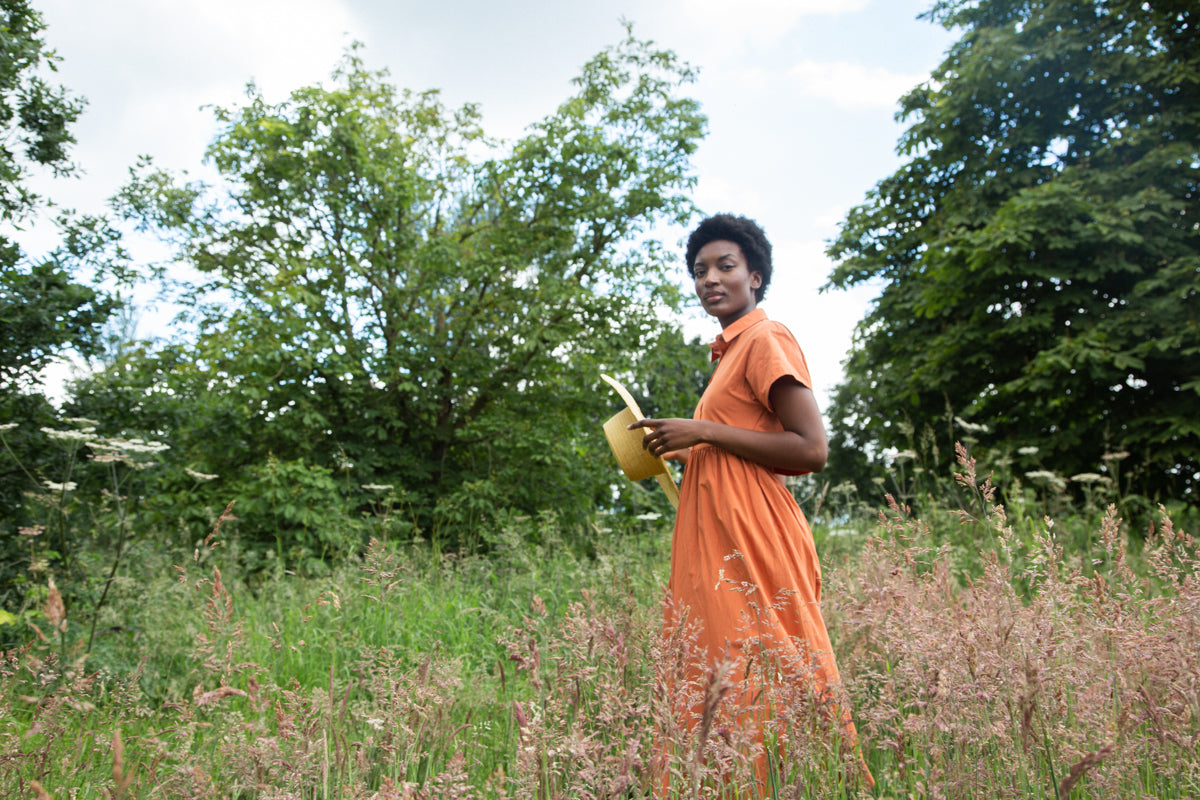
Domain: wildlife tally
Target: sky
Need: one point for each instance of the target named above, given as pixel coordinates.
(800, 95)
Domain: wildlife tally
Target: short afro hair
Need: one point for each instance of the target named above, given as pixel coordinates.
(743, 232)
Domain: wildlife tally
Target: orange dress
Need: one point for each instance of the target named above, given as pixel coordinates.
(743, 561)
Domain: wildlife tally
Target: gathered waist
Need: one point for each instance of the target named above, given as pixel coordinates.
(698, 453)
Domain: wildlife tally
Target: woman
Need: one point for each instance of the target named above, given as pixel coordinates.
(743, 562)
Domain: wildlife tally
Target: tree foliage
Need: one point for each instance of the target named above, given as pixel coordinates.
(35, 116)
(1039, 252)
(44, 310)
(394, 298)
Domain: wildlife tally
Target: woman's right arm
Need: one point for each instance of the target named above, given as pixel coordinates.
(800, 447)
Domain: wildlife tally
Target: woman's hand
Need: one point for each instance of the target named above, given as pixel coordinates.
(800, 447)
(671, 438)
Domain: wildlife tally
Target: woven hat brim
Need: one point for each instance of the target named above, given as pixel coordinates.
(635, 461)
(625, 395)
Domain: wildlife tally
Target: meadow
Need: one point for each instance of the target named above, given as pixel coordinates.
(987, 650)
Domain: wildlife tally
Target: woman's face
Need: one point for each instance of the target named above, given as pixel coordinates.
(724, 282)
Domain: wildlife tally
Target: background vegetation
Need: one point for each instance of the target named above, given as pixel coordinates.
(356, 534)
(1038, 250)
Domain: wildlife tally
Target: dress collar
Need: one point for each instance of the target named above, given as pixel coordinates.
(726, 337)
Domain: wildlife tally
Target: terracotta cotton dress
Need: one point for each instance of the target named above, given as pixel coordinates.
(743, 562)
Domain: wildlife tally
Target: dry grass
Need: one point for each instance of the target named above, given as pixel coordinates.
(989, 689)
(1032, 679)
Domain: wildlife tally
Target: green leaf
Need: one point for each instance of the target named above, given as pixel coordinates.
(1038, 254)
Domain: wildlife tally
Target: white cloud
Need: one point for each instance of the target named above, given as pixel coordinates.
(283, 44)
(147, 66)
(716, 195)
(212, 45)
(829, 220)
(851, 85)
(753, 22)
(823, 324)
(750, 15)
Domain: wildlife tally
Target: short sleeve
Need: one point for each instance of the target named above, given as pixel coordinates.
(774, 354)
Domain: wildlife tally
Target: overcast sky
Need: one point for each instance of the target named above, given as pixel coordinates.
(800, 96)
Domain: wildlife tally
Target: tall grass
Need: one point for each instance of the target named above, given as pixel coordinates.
(1034, 678)
(1014, 669)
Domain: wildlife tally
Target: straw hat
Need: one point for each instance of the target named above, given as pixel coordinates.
(634, 459)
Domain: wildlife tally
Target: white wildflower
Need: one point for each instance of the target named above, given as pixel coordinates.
(1090, 477)
(127, 446)
(1115, 456)
(69, 486)
(1047, 476)
(378, 487)
(905, 455)
(972, 427)
(1031, 450)
(138, 445)
(649, 516)
(8, 426)
(200, 476)
(84, 437)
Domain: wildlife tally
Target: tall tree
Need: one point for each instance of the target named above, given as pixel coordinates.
(401, 299)
(1040, 249)
(35, 115)
(44, 310)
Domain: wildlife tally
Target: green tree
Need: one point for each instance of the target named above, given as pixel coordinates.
(395, 298)
(44, 311)
(35, 115)
(1039, 252)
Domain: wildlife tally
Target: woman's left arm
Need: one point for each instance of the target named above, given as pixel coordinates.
(800, 447)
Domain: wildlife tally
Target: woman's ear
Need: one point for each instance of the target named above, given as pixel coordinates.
(755, 279)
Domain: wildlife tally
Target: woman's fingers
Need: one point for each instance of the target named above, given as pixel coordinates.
(655, 440)
(669, 437)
